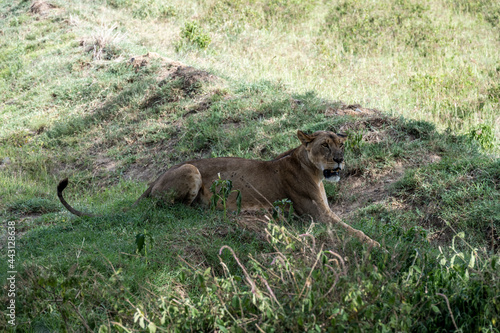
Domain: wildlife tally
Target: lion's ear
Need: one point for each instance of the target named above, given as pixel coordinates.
(304, 138)
(342, 136)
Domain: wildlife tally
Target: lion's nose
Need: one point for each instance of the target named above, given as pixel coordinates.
(338, 159)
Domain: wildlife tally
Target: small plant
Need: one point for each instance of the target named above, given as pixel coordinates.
(103, 43)
(484, 135)
(140, 242)
(354, 141)
(193, 34)
(279, 207)
(225, 188)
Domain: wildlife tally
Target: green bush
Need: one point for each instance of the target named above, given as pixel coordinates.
(484, 135)
(193, 34)
(304, 286)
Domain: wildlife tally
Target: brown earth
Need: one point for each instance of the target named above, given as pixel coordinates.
(41, 8)
(171, 70)
(351, 110)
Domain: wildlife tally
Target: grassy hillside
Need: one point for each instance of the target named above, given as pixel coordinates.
(111, 94)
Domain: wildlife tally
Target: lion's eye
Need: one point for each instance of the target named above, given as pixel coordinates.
(325, 145)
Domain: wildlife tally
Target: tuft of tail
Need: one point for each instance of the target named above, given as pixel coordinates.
(60, 188)
(62, 185)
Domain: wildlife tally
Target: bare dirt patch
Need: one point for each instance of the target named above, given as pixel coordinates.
(202, 105)
(191, 76)
(190, 253)
(253, 221)
(171, 70)
(41, 7)
(141, 172)
(493, 236)
(373, 126)
(146, 59)
(441, 232)
(373, 186)
(104, 162)
(362, 191)
(351, 110)
(190, 82)
(370, 123)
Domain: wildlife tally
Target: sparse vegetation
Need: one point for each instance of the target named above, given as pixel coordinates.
(103, 43)
(422, 177)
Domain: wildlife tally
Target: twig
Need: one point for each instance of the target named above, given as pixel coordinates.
(341, 260)
(144, 317)
(149, 291)
(81, 317)
(282, 258)
(80, 250)
(413, 263)
(278, 258)
(264, 267)
(269, 289)
(334, 282)
(118, 324)
(220, 298)
(260, 329)
(109, 262)
(247, 276)
(449, 309)
(226, 271)
(312, 270)
(313, 240)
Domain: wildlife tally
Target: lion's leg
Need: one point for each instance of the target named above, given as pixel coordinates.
(327, 216)
(182, 184)
(318, 208)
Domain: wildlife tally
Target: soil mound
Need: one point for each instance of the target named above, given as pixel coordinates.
(41, 7)
(172, 69)
(351, 110)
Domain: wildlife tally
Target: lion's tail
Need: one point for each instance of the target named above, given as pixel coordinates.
(60, 188)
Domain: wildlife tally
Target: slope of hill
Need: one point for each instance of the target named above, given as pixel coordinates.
(114, 93)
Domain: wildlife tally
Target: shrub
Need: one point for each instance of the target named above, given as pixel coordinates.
(103, 43)
(483, 134)
(193, 34)
(305, 286)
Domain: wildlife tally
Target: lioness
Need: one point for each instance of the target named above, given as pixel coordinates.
(296, 174)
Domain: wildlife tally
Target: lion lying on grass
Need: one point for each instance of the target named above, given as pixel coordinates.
(296, 174)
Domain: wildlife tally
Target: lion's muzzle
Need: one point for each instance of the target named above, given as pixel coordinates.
(328, 173)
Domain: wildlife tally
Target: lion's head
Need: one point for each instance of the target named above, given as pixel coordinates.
(326, 151)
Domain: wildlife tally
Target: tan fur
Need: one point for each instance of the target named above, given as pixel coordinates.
(296, 174)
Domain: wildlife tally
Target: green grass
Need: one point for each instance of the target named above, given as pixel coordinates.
(422, 177)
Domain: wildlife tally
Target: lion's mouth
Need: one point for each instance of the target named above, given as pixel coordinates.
(328, 173)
